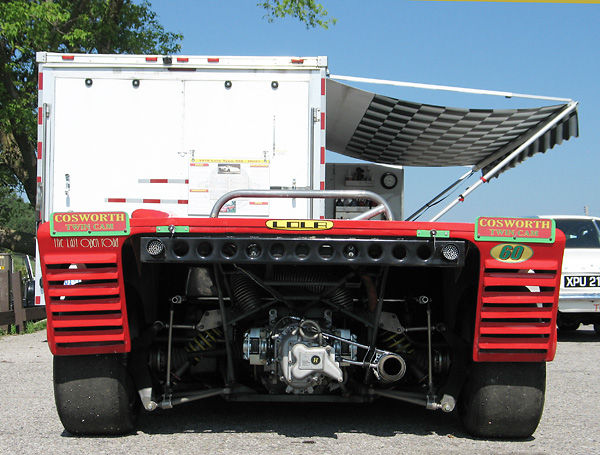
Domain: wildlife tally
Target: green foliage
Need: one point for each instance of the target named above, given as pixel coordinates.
(15, 213)
(30, 327)
(17, 223)
(310, 12)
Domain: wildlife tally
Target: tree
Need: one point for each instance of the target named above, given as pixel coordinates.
(17, 223)
(88, 26)
(313, 14)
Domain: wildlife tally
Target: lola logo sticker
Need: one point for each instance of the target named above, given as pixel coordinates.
(511, 252)
(300, 225)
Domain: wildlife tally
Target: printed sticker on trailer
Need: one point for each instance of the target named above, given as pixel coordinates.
(89, 224)
(528, 230)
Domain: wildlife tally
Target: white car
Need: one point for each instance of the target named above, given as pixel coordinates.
(579, 299)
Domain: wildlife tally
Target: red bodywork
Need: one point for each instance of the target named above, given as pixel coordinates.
(85, 291)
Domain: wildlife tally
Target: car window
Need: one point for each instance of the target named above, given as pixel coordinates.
(580, 233)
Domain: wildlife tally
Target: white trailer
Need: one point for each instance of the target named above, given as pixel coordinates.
(232, 123)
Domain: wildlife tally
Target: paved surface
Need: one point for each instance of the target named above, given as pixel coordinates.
(29, 423)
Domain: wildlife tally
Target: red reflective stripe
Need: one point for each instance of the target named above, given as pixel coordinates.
(322, 186)
(213, 60)
(183, 59)
(322, 155)
(40, 115)
(174, 181)
(116, 199)
(38, 300)
(323, 86)
(297, 60)
(151, 201)
(40, 81)
(152, 59)
(39, 151)
(39, 179)
(68, 57)
(322, 120)
(182, 201)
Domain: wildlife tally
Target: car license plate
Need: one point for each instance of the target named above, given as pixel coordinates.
(582, 281)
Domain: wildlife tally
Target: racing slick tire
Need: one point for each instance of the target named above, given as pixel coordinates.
(503, 400)
(95, 394)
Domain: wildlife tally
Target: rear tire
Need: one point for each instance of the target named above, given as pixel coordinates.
(95, 394)
(503, 400)
(597, 328)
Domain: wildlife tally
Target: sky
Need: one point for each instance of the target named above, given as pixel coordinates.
(547, 49)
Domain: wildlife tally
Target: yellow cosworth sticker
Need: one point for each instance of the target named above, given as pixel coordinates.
(300, 225)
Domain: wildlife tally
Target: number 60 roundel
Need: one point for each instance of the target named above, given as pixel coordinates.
(511, 252)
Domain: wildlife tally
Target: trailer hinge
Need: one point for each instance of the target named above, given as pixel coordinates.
(316, 115)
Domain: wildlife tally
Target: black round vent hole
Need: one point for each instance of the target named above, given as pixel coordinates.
(424, 252)
(181, 248)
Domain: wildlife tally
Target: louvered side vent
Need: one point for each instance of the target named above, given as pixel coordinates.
(87, 311)
(516, 316)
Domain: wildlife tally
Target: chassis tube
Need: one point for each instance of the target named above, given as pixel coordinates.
(306, 194)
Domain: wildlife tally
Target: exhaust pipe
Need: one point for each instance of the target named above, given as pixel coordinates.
(391, 368)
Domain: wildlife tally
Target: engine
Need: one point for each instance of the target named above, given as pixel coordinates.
(299, 354)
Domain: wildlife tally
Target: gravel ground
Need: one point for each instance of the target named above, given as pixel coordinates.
(29, 423)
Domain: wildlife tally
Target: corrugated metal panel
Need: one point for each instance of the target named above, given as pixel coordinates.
(385, 130)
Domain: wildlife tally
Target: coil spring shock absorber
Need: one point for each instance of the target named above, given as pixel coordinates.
(397, 343)
(204, 341)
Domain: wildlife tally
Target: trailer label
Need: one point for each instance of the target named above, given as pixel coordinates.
(533, 230)
(73, 224)
(300, 225)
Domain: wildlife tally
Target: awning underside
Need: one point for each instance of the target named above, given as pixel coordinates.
(385, 130)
